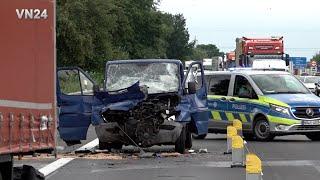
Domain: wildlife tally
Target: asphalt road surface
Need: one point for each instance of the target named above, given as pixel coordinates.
(285, 158)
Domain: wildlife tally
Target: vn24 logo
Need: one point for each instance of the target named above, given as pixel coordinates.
(32, 13)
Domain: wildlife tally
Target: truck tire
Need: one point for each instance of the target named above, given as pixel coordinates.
(202, 136)
(180, 145)
(188, 139)
(261, 129)
(109, 146)
(314, 136)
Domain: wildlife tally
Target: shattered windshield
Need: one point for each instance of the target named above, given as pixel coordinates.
(158, 77)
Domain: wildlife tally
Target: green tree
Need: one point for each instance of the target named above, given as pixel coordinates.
(211, 50)
(316, 57)
(91, 32)
(178, 40)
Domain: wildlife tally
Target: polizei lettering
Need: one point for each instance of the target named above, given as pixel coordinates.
(32, 13)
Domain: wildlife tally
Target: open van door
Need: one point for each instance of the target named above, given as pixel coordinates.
(195, 95)
(75, 91)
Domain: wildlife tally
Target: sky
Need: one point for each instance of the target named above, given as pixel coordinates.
(220, 22)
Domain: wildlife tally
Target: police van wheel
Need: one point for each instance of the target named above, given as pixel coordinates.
(261, 130)
(314, 136)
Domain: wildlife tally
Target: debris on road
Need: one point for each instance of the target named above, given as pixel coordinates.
(203, 150)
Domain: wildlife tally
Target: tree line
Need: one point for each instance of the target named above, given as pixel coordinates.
(91, 32)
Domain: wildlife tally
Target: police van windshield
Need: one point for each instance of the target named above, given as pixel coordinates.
(279, 84)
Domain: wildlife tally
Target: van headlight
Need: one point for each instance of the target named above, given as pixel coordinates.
(280, 109)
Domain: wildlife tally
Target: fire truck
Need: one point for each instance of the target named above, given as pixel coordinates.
(261, 52)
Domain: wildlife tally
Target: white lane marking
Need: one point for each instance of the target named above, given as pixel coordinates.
(215, 164)
(50, 168)
(25, 105)
(89, 145)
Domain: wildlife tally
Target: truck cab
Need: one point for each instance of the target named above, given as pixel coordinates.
(143, 103)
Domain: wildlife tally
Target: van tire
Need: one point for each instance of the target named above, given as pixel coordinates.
(188, 139)
(202, 136)
(314, 136)
(180, 144)
(109, 146)
(261, 129)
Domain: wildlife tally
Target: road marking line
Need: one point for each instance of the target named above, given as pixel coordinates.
(50, 168)
(89, 145)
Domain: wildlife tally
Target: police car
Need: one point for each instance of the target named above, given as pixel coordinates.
(269, 103)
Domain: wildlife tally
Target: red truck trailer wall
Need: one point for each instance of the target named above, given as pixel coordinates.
(27, 75)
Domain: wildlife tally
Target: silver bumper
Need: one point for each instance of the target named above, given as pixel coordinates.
(296, 128)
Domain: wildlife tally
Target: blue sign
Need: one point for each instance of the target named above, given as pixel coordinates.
(299, 62)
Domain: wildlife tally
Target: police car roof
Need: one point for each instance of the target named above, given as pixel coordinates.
(248, 72)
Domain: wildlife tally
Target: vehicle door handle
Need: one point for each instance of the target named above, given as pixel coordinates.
(223, 99)
(232, 99)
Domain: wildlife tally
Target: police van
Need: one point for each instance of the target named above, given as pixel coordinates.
(269, 103)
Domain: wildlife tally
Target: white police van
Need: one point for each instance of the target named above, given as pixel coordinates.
(269, 103)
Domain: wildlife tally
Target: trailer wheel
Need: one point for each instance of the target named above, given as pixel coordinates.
(180, 145)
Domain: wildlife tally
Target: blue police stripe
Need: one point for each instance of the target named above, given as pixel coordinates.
(223, 116)
(236, 116)
(248, 117)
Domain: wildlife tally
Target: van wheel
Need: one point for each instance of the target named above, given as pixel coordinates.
(180, 145)
(109, 146)
(188, 139)
(261, 130)
(314, 136)
(202, 136)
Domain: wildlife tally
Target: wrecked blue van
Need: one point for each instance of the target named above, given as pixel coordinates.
(143, 103)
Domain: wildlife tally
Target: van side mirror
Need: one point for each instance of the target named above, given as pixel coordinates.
(192, 87)
(316, 84)
(96, 88)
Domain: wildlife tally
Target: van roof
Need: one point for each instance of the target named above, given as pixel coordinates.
(247, 72)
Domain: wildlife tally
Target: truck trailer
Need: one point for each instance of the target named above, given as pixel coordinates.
(27, 74)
